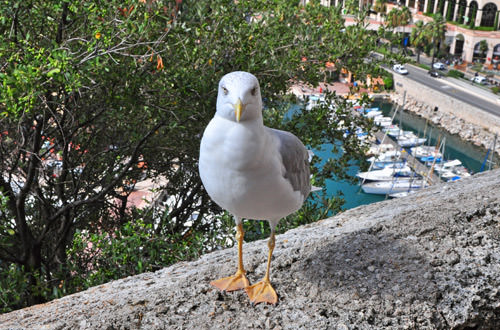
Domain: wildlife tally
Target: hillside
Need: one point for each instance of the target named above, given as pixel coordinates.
(427, 261)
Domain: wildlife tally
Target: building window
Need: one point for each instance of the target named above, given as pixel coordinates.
(488, 16)
(421, 4)
(430, 6)
(472, 13)
(450, 11)
(461, 11)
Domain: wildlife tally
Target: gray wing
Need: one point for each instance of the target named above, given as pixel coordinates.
(296, 161)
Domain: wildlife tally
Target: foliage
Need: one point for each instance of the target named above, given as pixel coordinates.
(483, 47)
(99, 95)
(436, 30)
(478, 67)
(449, 12)
(418, 37)
(495, 89)
(388, 83)
(484, 28)
(424, 66)
(132, 249)
(455, 74)
(472, 16)
(14, 288)
(398, 17)
(380, 6)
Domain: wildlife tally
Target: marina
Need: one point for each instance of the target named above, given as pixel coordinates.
(470, 157)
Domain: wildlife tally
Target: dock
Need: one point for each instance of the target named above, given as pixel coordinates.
(412, 162)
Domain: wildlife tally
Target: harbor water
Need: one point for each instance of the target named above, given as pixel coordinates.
(471, 156)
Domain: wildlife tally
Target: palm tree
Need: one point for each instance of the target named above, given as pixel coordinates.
(380, 7)
(418, 37)
(483, 48)
(404, 20)
(436, 29)
(392, 19)
(398, 17)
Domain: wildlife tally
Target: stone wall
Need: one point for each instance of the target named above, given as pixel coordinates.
(427, 261)
(470, 123)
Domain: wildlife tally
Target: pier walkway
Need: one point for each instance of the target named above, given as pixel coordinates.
(412, 162)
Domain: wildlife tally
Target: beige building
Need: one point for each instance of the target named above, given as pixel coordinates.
(469, 22)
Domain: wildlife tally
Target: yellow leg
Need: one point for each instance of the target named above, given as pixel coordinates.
(237, 281)
(263, 290)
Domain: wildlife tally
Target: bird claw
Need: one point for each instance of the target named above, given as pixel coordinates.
(232, 283)
(262, 292)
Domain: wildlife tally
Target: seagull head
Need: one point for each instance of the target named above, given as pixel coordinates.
(239, 97)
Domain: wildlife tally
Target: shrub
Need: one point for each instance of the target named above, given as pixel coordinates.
(424, 66)
(484, 28)
(455, 74)
(388, 82)
(495, 89)
(132, 249)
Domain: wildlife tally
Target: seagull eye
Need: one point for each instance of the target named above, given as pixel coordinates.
(224, 90)
(254, 91)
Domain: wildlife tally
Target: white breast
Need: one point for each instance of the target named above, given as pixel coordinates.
(241, 170)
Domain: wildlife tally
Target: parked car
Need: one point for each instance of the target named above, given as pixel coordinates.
(480, 80)
(400, 68)
(434, 73)
(439, 66)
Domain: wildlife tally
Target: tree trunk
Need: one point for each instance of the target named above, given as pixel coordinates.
(33, 267)
(433, 53)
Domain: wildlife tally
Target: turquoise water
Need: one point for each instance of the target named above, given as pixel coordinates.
(470, 155)
(352, 193)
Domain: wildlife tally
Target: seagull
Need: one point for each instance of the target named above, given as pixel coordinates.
(252, 171)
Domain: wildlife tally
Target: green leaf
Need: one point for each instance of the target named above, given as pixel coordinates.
(53, 72)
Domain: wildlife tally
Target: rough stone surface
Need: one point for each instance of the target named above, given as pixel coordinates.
(427, 261)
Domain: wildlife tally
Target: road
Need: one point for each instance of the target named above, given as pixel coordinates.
(458, 90)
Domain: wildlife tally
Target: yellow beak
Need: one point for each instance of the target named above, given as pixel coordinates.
(238, 109)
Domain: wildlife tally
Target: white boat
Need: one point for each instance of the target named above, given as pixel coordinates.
(388, 156)
(387, 174)
(396, 164)
(425, 151)
(409, 139)
(453, 175)
(392, 187)
(451, 170)
(377, 149)
(382, 121)
(447, 166)
(393, 130)
(391, 158)
(403, 193)
(371, 112)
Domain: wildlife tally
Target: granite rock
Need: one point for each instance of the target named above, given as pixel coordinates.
(427, 261)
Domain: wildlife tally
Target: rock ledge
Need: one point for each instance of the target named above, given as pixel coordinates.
(427, 261)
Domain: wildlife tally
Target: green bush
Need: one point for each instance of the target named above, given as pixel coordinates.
(477, 67)
(13, 288)
(455, 74)
(495, 89)
(388, 83)
(133, 249)
(424, 66)
(484, 28)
